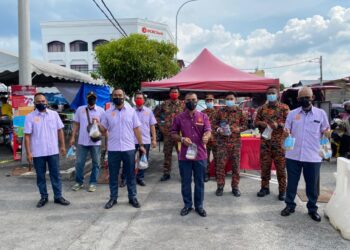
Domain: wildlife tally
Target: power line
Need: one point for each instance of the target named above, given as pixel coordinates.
(288, 65)
(110, 12)
(98, 6)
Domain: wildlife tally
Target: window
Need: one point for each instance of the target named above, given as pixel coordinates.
(78, 45)
(83, 68)
(55, 46)
(95, 67)
(98, 42)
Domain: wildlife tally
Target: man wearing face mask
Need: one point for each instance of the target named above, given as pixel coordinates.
(272, 114)
(211, 146)
(148, 122)
(344, 148)
(123, 126)
(85, 144)
(165, 116)
(306, 124)
(43, 129)
(229, 123)
(195, 130)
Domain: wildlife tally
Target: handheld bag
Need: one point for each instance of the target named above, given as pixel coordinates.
(267, 133)
(143, 162)
(226, 128)
(71, 152)
(92, 129)
(191, 153)
(289, 143)
(325, 148)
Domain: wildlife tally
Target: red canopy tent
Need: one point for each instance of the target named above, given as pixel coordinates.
(209, 74)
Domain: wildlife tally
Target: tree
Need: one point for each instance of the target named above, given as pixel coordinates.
(282, 87)
(128, 61)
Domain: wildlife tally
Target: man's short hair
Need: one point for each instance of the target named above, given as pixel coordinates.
(230, 93)
(118, 88)
(39, 93)
(173, 88)
(139, 93)
(272, 87)
(190, 93)
(4, 98)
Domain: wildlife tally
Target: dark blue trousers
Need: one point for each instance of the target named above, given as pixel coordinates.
(40, 167)
(198, 170)
(114, 161)
(311, 171)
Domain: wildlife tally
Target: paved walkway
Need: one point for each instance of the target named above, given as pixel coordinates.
(247, 222)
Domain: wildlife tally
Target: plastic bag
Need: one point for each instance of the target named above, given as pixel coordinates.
(226, 128)
(143, 162)
(289, 143)
(71, 152)
(267, 133)
(94, 131)
(191, 153)
(325, 148)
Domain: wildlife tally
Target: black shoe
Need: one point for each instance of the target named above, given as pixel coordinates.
(185, 211)
(236, 192)
(201, 212)
(219, 191)
(62, 201)
(263, 192)
(315, 216)
(110, 203)
(141, 182)
(206, 177)
(165, 177)
(134, 202)
(122, 183)
(282, 196)
(287, 211)
(42, 202)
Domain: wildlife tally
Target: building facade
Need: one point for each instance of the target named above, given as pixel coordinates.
(72, 43)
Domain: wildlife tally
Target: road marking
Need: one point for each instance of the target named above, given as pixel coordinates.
(257, 177)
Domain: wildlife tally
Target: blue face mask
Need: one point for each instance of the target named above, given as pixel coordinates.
(230, 103)
(210, 105)
(272, 98)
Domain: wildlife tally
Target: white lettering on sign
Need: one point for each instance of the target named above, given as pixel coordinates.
(151, 31)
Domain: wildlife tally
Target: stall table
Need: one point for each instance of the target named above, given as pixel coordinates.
(250, 156)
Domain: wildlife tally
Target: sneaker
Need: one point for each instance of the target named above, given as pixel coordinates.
(77, 186)
(92, 188)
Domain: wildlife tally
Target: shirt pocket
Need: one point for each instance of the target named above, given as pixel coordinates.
(313, 127)
(52, 124)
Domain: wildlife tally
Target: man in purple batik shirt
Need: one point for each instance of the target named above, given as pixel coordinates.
(195, 130)
(306, 124)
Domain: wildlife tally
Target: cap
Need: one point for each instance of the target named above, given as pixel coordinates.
(91, 93)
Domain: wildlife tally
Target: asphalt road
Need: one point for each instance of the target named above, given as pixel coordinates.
(247, 222)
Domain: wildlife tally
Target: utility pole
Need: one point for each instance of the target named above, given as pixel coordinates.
(25, 71)
(321, 73)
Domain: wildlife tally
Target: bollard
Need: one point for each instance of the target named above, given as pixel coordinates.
(338, 208)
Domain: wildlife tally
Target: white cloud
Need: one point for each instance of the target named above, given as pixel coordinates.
(298, 40)
(10, 44)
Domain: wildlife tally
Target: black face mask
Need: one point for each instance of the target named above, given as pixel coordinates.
(40, 106)
(118, 101)
(304, 102)
(91, 101)
(191, 105)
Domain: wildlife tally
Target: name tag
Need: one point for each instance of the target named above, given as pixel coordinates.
(317, 121)
(199, 124)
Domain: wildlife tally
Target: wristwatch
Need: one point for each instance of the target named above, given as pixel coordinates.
(182, 139)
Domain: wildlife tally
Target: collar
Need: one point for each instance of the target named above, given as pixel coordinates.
(123, 108)
(40, 113)
(300, 110)
(188, 113)
(141, 109)
(94, 108)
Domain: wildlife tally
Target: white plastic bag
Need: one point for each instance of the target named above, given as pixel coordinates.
(226, 128)
(143, 162)
(94, 131)
(267, 133)
(289, 143)
(191, 153)
(325, 148)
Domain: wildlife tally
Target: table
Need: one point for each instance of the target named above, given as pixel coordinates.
(250, 156)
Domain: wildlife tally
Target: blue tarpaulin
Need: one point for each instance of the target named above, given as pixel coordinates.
(102, 92)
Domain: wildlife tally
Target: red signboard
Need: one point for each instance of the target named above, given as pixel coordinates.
(151, 31)
(23, 90)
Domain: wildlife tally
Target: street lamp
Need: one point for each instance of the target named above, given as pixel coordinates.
(177, 13)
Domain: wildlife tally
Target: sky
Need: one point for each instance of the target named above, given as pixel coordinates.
(246, 34)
